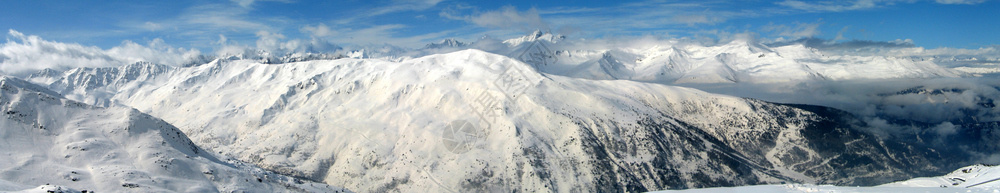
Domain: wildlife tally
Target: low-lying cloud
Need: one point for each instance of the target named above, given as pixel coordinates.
(23, 54)
(966, 2)
(830, 45)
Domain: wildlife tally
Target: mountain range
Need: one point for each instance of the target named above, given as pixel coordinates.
(525, 114)
(377, 125)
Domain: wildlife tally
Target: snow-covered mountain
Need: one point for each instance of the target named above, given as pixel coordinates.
(96, 85)
(787, 73)
(47, 139)
(537, 35)
(477, 121)
(683, 62)
(446, 43)
(662, 61)
(740, 61)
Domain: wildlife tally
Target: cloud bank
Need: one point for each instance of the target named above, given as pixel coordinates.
(23, 54)
(840, 6)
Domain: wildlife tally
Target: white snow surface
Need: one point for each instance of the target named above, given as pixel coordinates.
(47, 139)
(975, 178)
(377, 125)
(967, 177)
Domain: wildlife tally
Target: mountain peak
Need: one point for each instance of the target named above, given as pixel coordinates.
(446, 43)
(537, 35)
(750, 46)
(9, 83)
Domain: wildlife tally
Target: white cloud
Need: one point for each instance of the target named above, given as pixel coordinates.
(840, 6)
(946, 128)
(320, 30)
(393, 7)
(644, 17)
(219, 18)
(222, 40)
(569, 10)
(695, 19)
(276, 45)
(198, 24)
(966, 2)
(405, 5)
(156, 51)
(507, 17)
(243, 3)
(379, 34)
(799, 30)
(25, 54)
(248, 3)
(269, 41)
(895, 48)
(840, 34)
(152, 26)
(902, 41)
(833, 6)
(226, 48)
(656, 14)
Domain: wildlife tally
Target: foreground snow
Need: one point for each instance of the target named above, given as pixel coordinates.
(830, 188)
(976, 178)
(46, 139)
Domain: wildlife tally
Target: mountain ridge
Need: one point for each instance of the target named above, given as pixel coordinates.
(53, 140)
(330, 120)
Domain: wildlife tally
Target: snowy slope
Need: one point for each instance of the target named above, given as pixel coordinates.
(981, 176)
(96, 85)
(47, 139)
(976, 178)
(805, 188)
(476, 121)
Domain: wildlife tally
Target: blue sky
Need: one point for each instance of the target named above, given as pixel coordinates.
(206, 25)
